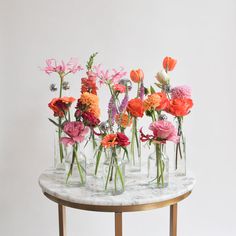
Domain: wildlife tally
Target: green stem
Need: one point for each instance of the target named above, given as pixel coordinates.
(78, 164)
(132, 141)
(120, 175)
(59, 139)
(108, 174)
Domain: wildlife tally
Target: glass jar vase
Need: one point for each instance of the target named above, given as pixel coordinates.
(158, 167)
(75, 162)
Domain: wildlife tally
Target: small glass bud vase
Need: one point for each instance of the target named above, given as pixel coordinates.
(158, 167)
(134, 162)
(180, 150)
(114, 173)
(75, 162)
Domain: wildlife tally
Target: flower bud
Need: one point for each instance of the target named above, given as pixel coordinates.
(162, 77)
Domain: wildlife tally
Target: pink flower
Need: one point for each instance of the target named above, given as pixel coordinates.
(164, 131)
(119, 88)
(71, 66)
(106, 76)
(76, 132)
(181, 92)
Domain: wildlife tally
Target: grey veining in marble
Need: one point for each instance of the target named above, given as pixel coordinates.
(137, 190)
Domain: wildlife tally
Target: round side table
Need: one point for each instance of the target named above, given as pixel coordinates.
(139, 196)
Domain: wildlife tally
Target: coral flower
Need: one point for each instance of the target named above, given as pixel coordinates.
(152, 101)
(135, 107)
(123, 120)
(89, 85)
(119, 88)
(110, 140)
(61, 105)
(164, 102)
(169, 63)
(180, 106)
(136, 75)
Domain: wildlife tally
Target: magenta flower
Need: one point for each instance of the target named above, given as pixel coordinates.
(181, 92)
(72, 66)
(163, 131)
(76, 132)
(106, 76)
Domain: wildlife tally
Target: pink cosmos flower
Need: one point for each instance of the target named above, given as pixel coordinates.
(106, 76)
(181, 92)
(163, 131)
(72, 66)
(76, 132)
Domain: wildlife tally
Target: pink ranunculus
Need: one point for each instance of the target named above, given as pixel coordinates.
(76, 132)
(181, 92)
(164, 131)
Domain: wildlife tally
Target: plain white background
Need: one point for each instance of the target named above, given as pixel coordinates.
(201, 34)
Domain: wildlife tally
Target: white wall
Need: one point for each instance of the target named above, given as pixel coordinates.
(200, 34)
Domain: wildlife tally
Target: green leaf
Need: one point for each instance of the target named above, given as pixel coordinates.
(90, 61)
(152, 90)
(98, 158)
(55, 123)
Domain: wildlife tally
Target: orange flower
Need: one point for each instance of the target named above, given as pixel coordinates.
(91, 102)
(169, 63)
(152, 101)
(164, 102)
(110, 140)
(136, 75)
(180, 106)
(61, 105)
(135, 107)
(123, 120)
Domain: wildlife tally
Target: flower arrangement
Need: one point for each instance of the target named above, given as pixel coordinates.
(109, 137)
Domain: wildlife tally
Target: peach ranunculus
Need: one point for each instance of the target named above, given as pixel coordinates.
(136, 75)
(180, 106)
(61, 105)
(169, 63)
(135, 107)
(123, 120)
(152, 101)
(164, 102)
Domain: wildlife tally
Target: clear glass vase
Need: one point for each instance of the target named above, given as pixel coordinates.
(114, 173)
(158, 167)
(75, 162)
(180, 151)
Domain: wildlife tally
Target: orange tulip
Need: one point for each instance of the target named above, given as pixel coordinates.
(136, 75)
(169, 63)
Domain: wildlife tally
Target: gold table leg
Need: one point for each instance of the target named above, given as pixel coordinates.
(118, 224)
(62, 220)
(173, 220)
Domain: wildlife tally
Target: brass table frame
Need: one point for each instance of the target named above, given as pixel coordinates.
(118, 210)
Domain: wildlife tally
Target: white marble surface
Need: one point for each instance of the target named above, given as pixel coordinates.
(137, 190)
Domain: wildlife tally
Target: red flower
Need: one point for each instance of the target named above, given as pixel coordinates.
(89, 85)
(89, 119)
(61, 105)
(119, 88)
(122, 140)
(135, 107)
(180, 106)
(169, 63)
(164, 102)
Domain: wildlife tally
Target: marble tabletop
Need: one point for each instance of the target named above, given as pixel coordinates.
(137, 190)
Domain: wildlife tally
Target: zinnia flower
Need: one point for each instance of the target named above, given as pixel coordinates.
(76, 132)
(164, 131)
(110, 140)
(169, 63)
(135, 107)
(123, 120)
(181, 92)
(152, 101)
(122, 140)
(180, 106)
(61, 105)
(136, 75)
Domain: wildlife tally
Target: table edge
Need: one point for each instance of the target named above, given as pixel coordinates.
(119, 208)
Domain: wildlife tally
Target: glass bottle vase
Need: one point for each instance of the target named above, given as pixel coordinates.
(75, 163)
(158, 167)
(114, 173)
